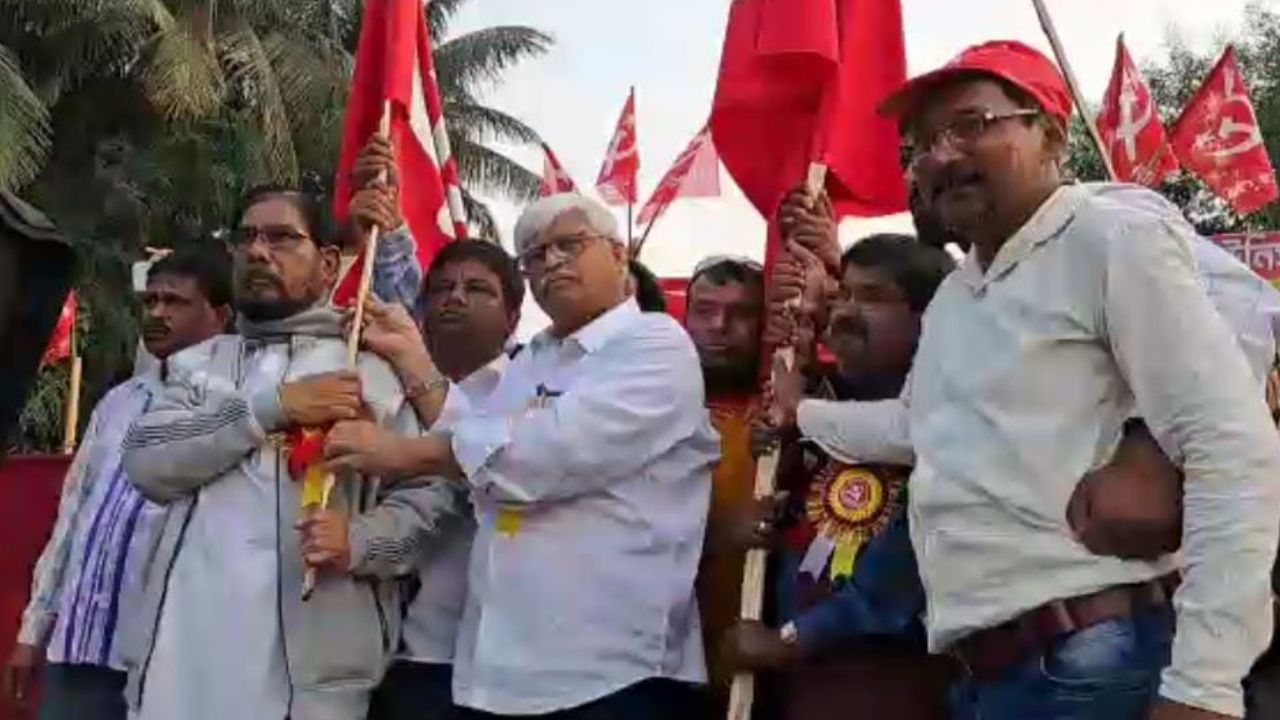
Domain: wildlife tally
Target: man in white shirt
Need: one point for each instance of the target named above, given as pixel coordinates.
(89, 575)
(590, 470)
(1073, 313)
(471, 302)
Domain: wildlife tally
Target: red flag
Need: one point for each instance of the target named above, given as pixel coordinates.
(800, 81)
(695, 173)
(1130, 126)
(1218, 137)
(617, 183)
(59, 347)
(555, 179)
(394, 65)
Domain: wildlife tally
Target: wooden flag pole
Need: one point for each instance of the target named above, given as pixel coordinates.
(1050, 31)
(71, 416)
(353, 337)
(742, 692)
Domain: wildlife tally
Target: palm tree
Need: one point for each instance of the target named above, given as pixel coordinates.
(164, 111)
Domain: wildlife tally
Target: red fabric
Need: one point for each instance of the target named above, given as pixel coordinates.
(1009, 60)
(800, 81)
(1218, 138)
(59, 347)
(617, 182)
(677, 292)
(695, 173)
(306, 447)
(1129, 123)
(29, 489)
(555, 179)
(394, 65)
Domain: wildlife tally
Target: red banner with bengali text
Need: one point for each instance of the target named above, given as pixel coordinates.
(1260, 251)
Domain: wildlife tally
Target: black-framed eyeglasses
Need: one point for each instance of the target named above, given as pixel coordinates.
(959, 133)
(534, 260)
(277, 238)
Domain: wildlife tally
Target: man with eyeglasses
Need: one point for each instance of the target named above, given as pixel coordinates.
(222, 628)
(1077, 309)
(590, 469)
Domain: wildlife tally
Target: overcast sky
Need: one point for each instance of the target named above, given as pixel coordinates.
(670, 50)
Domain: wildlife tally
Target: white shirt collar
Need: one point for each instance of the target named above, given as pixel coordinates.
(595, 334)
(1050, 219)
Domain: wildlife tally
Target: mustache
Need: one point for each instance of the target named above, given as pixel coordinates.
(260, 274)
(155, 327)
(849, 324)
(952, 176)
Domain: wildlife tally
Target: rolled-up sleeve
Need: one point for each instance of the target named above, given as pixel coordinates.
(1195, 389)
(606, 428)
(397, 272)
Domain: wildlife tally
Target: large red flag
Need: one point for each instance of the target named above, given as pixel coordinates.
(1130, 126)
(59, 347)
(1218, 137)
(555, 179)
(695, 173)
(395, 67)
(800, 81)
(617, 183)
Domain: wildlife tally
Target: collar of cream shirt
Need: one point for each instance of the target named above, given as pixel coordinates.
(595, 334)
(1049, 221)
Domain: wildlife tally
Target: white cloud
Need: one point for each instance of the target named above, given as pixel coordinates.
(670, 49)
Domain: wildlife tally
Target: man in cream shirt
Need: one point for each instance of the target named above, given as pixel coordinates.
(1075, 311)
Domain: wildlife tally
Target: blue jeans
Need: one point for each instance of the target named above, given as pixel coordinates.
(81, 692)
(1110, 671)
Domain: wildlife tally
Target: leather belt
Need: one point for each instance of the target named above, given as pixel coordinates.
(987, 654)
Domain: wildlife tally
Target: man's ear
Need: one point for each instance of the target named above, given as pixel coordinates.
(330, 264)
(223, 313)
(1055, 137)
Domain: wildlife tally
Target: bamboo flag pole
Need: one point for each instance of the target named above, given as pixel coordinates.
(1050, 31)
(742, 692)
(71, 415)
(353, 338)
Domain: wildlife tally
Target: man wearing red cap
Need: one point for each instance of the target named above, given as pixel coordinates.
(1077, 309)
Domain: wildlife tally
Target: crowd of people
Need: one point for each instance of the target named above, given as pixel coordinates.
(1002, 483)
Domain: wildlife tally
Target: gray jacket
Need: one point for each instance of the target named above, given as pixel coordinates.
(205, 429)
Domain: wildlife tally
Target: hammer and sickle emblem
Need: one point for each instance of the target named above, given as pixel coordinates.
(1233, 137)
(1135, 116)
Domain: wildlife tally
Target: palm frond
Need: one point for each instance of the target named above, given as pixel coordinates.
(480, 219)
(250, 71)
(25, 136)
(480, 123)
(486, 170)
(181, 76)
(468, 63)
(314, 77)
(439, 14)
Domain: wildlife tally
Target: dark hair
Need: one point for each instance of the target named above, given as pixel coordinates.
(493, 257)
(309, 205)
(208, 266)
(723, 273)
(649, 294)
(913, 266)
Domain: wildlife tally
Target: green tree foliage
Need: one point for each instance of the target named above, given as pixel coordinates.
(138, 123)
(1174, 79)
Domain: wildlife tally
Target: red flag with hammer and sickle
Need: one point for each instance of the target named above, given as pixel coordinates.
(1131, 127)
(1218, 138)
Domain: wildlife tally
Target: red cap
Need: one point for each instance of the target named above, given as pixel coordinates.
(1008, 60)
